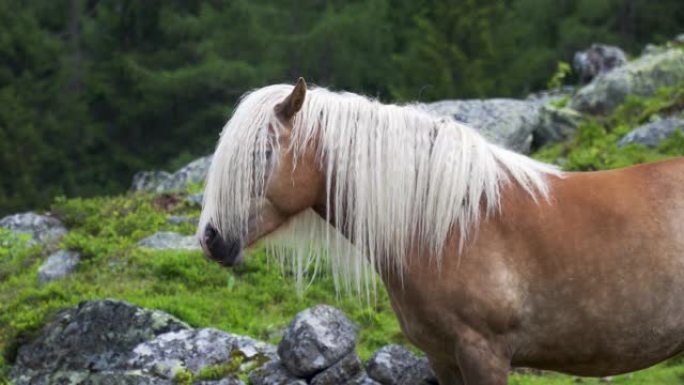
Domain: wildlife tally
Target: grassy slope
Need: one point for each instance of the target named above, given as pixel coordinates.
(254, 299)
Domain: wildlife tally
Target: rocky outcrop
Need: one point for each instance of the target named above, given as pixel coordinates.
(58, 265)
(556, 124)
(651, 134)
(91, 343)
(168, 240)
(506, 122)
(162, 181)
(41, 228)
(596, 60)
(641, 77)
(114, 342)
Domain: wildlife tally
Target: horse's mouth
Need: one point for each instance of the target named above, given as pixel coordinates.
(227, 253)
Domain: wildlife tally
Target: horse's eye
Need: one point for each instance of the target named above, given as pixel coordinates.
(268, 153)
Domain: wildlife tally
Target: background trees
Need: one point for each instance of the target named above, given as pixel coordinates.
(92, 91)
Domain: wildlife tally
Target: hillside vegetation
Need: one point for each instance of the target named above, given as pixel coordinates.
(255, 299)
(87, 86)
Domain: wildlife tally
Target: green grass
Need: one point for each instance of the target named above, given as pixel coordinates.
(255, 299)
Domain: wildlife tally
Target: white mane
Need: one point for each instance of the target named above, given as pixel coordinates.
(400, 178)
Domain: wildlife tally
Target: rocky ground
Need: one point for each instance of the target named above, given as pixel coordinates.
(623, 112)
(114, 342)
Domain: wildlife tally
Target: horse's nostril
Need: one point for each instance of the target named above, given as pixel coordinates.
(210, 234)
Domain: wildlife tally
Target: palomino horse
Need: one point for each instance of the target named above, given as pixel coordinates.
(491, 259)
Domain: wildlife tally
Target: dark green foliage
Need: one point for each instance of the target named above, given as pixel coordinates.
(93, 91)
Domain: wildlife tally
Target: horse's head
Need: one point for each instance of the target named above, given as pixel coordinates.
(259, 178)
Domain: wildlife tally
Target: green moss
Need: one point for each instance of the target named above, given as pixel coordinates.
(184, 377)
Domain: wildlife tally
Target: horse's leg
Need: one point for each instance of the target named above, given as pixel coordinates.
(447, 374)
(482, 362)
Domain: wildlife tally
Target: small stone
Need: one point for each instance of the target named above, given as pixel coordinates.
(58, 265)
(316, 339)
(168, 240)
(344, 370)
(41, 228)
(274, 373)
(196, 199)
(389, 364)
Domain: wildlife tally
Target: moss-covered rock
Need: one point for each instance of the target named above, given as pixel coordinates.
(642, 77)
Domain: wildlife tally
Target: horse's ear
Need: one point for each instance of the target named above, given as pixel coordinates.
(293, 102)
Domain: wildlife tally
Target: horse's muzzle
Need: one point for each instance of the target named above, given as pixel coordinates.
(227, 252)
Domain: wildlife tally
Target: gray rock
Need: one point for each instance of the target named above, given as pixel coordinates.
(41, 228)
(679, 39)
(343, 371)
(196, 199)
(274, 373)
(194, 350)
(651, 134)
(363, 379)
(94, 337)
(555, 125)
(596, 60)
(419, 374)
(316, 339)
(652, 49)
(389, 364)
(58, 265)
(180, 219)
(224, 381)
(550, 96)
(88, 378)
(168, 240)
(642, 77)
(506, 122)
(162, 181)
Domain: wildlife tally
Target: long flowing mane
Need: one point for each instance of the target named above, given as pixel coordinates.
(398, 178)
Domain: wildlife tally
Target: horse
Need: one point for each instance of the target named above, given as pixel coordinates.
(491, 260)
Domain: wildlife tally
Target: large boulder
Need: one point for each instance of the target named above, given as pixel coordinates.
(506, 122)
(642, 77)
(58, 265)
(316, 339)
(169, 240)
(596, 60)
(556, 124)
(89, 342)
(162, 181)
(41, 228)
(651, 134)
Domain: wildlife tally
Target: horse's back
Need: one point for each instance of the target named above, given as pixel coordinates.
(605, 270)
